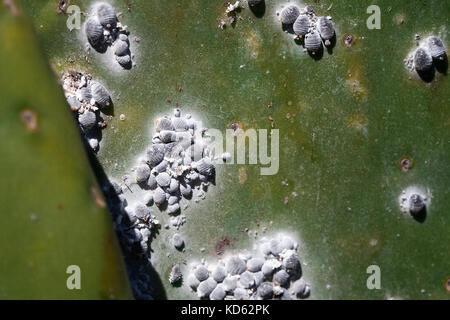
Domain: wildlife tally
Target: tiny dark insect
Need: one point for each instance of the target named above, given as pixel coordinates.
(62, 6)
(29, 119)
(405, 164)
(348, 40)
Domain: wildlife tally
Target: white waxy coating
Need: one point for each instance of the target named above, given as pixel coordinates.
(93, 143)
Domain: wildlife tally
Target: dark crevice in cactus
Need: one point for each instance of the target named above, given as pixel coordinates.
(138, 266)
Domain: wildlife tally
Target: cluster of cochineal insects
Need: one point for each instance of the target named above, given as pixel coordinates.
(103, 30)
(86, 97)
(315, 32)
(272, 272)
(429, 53)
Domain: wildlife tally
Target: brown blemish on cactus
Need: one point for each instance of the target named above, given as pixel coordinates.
(29, 119)
(405, 163)
(348, 40)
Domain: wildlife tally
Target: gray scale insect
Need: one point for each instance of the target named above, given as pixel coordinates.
(326, 29)
(313, 42)
(94, 33)
(416, 203)
(206, 287)
(124, 61)
(289, 14)
(177, 241)
(88, 119)
(301, 25)
(265, 290)
(436, 47)
(100, 94)
(235, 265)
(218, 293)
(219, 274)
(201, 273)
(106, 15)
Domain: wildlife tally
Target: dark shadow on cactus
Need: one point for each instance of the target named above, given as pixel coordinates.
(332, 44)
(289, 28)
(178, 283)
(258, 9)
(317, 55)
(427, 75)
(109, 110)
(421, 215)
(441, 64)
(300, 41)
(139, 268)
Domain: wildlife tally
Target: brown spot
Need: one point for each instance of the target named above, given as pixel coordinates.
(236, 126)
(29, 119)
(405, 163)
(97, 197)
(348, 40)
(399, 18)
(356, 121)
(60, 207)
(62, 6)
(11, 7)
(447, 284)
(221, 244)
